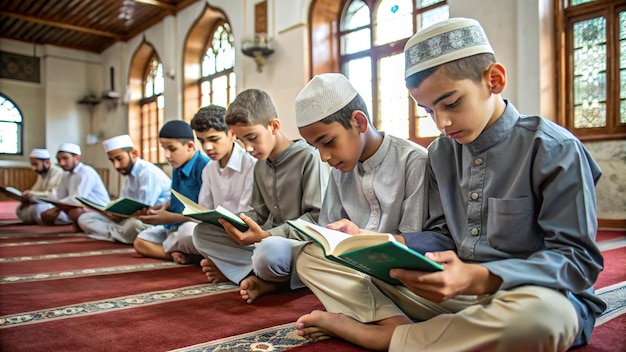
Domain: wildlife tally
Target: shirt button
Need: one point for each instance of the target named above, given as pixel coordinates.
(474, 195)
(474, 231)
(478, 161)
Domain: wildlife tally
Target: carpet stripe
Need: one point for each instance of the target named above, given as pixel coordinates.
(607, 245)
(281, 336)
(66, 255)
(615, 298)
(39, 243)
(87, 272)
(114, 304)
(38, 235)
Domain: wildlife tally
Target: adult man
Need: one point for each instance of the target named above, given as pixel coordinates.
(48, 177)
(144, 182)
(81, 180)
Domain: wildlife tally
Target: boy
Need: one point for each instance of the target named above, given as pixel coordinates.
(81, 180)
(377, 181)
(162, 242)
(144, 182)
(289, 181)
(515, 234)
(228, 180)
(48, 178)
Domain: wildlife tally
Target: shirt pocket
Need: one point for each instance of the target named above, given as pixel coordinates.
(511, 225)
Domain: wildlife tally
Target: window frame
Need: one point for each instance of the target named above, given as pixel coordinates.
(227, 72)
(378, 52)
(144, 103)
(566, 17)
(20, 127)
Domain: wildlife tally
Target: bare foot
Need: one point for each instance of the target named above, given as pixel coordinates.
(252, 287)
(213, 274)
(179, 257)
(319, 325)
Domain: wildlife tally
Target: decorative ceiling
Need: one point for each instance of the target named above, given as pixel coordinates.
(89, 25)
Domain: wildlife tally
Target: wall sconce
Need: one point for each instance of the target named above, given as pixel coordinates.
(258, 47)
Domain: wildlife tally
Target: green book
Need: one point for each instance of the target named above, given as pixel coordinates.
(374, 255)
(198, 212)
(124, 207)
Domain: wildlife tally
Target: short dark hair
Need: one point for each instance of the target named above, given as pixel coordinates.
(251, 107)
(471, 67)
(208, 117)
(343, 115)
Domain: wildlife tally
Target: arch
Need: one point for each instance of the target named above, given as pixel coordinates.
(11, 127)
(193, 51)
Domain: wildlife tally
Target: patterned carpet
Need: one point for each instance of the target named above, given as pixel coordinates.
(61, 291)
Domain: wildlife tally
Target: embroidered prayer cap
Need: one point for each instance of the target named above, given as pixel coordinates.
(443, 42)
(117, 142)
(176, 129)
(324, 95)
(70, 148)
(40, 154)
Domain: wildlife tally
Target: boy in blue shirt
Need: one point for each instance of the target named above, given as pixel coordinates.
(512, 218)
(163, 242)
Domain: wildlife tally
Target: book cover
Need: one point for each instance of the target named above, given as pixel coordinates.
(124, 207)
(374, 255)
(198, 212)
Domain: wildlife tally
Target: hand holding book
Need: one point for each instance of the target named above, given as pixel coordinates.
(373, 254)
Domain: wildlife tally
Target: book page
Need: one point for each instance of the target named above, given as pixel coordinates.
(191, 207)
(332, 237)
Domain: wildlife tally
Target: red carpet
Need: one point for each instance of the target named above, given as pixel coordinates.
(61, 291)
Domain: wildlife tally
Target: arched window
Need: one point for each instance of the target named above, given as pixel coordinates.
(151, 107)
(218, 83)
(592, 68)
(372, 35)
(10, 127)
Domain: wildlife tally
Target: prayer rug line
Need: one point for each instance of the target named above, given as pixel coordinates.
(115, 304)
(67, 274)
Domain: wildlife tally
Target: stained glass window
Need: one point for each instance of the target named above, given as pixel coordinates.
(595, 66)
(218, 82)
(590, 73)
(372, 37)
(10, 127)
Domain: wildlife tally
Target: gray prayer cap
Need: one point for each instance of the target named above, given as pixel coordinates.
(324, 95)
(445, 41)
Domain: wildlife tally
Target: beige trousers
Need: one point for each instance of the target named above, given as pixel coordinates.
(526, 318)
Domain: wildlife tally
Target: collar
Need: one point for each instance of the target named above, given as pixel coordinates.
(136, 166)
(498, 132)
(298, 143)
(188, 167)
(76, 168)
(236, 158)
(373, 161)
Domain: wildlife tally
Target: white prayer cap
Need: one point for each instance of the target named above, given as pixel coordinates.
(70, 148)
(324, 95)
(445, 41)
(40, 154)
(117, 142)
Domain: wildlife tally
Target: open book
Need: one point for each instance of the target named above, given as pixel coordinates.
(16, 194)
(124, 207)
(198, 212)
(374, 255)
(59, 203)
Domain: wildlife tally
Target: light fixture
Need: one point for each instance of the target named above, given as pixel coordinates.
(258, 47)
